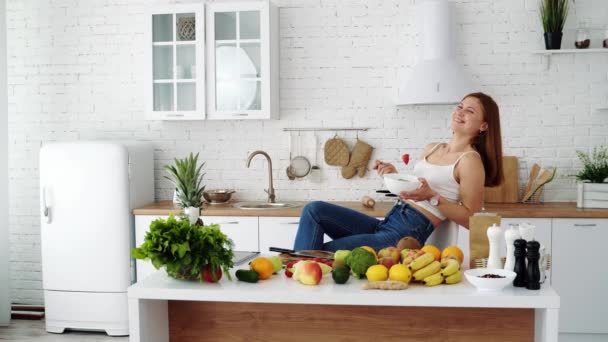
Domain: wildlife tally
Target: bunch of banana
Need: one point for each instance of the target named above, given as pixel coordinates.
(408, 255)
(421, 261)
(435, 275)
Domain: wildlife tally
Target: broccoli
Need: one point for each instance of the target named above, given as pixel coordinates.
(359, 260)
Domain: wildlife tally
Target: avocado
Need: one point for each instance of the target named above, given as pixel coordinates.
(340, 274)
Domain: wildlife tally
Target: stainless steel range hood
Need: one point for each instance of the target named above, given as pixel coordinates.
(436, 78)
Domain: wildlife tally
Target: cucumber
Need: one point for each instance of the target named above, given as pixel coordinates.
(249, 276)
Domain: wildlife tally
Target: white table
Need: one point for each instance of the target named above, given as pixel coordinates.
(148, 299)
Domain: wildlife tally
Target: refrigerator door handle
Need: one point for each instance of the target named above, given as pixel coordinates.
(46, 210)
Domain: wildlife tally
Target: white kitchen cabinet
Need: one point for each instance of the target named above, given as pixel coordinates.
(279, 232)
(175, 63)
(578, 277)
(242, 60)
(243, 230)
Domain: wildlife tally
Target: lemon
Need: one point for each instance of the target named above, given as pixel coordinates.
(377, 273)
(400, 272)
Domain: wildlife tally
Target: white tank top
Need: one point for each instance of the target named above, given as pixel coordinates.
(441, 179)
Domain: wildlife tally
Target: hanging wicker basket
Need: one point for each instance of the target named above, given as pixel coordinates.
(186, 28)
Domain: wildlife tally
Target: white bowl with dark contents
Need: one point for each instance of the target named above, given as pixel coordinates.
(397, 182)
(489, 279)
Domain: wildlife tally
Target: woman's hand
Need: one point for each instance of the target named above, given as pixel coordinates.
(383, 168)
(424, 192)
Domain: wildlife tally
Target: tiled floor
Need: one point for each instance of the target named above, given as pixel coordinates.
(25, 330)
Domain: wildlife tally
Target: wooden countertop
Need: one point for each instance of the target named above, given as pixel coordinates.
(544, 210)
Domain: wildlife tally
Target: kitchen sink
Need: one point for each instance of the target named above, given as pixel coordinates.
(264, 205)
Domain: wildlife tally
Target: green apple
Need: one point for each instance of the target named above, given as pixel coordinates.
(277, 263)
(341, 254)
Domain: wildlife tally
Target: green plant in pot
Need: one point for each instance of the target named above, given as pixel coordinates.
(187, 251)
(592, 189)
(553, 15)
(187, 177)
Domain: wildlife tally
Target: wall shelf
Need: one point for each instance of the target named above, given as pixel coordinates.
(549, 53)
(567, 51)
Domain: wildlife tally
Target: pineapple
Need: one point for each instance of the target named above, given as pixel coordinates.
(187, 178)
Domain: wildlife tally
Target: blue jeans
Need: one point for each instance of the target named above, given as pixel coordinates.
(350, 229)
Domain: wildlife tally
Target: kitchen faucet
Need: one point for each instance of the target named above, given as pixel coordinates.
(270, 190)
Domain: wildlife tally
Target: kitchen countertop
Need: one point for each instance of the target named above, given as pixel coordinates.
(280, 289)
(543, 210)
(162, 308)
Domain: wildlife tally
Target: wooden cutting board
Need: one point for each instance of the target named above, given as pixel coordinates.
(286, 258)
(507, 192)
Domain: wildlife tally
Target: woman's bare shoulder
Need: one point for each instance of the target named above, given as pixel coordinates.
(471, 160)
(430, 146)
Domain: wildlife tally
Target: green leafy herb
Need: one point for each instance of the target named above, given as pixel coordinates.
(185, 249)
(187, 177)
(553, 14)
(595, 167)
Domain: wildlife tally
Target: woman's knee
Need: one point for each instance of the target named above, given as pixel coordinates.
(313, 208)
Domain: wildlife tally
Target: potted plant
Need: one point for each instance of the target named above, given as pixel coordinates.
(187, 178)
(593, 187)
(553, 16)
(187, 251)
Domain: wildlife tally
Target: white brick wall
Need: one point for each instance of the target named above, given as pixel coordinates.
(74, 73)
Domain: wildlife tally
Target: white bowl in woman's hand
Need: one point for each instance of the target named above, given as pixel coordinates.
(398, 182)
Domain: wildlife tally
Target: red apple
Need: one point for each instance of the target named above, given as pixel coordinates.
(387, 261)
(390, 252)
(208, 276)
(309, 273)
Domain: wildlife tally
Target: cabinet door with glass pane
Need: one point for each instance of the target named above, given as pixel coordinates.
(175, 79)
(242, 60)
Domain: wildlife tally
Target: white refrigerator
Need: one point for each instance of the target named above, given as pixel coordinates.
(87, 192)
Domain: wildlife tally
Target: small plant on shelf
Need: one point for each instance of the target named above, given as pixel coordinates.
(553, 15)
(595, 167)
(187, 251)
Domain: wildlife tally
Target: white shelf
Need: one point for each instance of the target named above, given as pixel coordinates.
(566, 51)
(549, 53)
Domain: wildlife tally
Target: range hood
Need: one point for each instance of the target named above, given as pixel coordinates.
(436, 78)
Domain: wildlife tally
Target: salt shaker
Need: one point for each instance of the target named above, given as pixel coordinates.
(542, 264)
(511, 235)
(495, 235)
(527, 231)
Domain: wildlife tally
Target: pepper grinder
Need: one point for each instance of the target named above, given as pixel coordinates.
(533, 271)
(495, 235)
(520, 263)
(511, 235)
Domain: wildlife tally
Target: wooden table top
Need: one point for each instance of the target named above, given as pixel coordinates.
(515, 210)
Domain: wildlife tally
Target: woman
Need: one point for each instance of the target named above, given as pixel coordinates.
(452, 178)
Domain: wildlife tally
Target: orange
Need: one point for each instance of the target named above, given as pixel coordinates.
(453, 250)
(432, 249)
(262, 266)
(368, 248)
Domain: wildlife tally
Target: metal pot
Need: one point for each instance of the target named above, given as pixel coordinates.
(217, 196)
